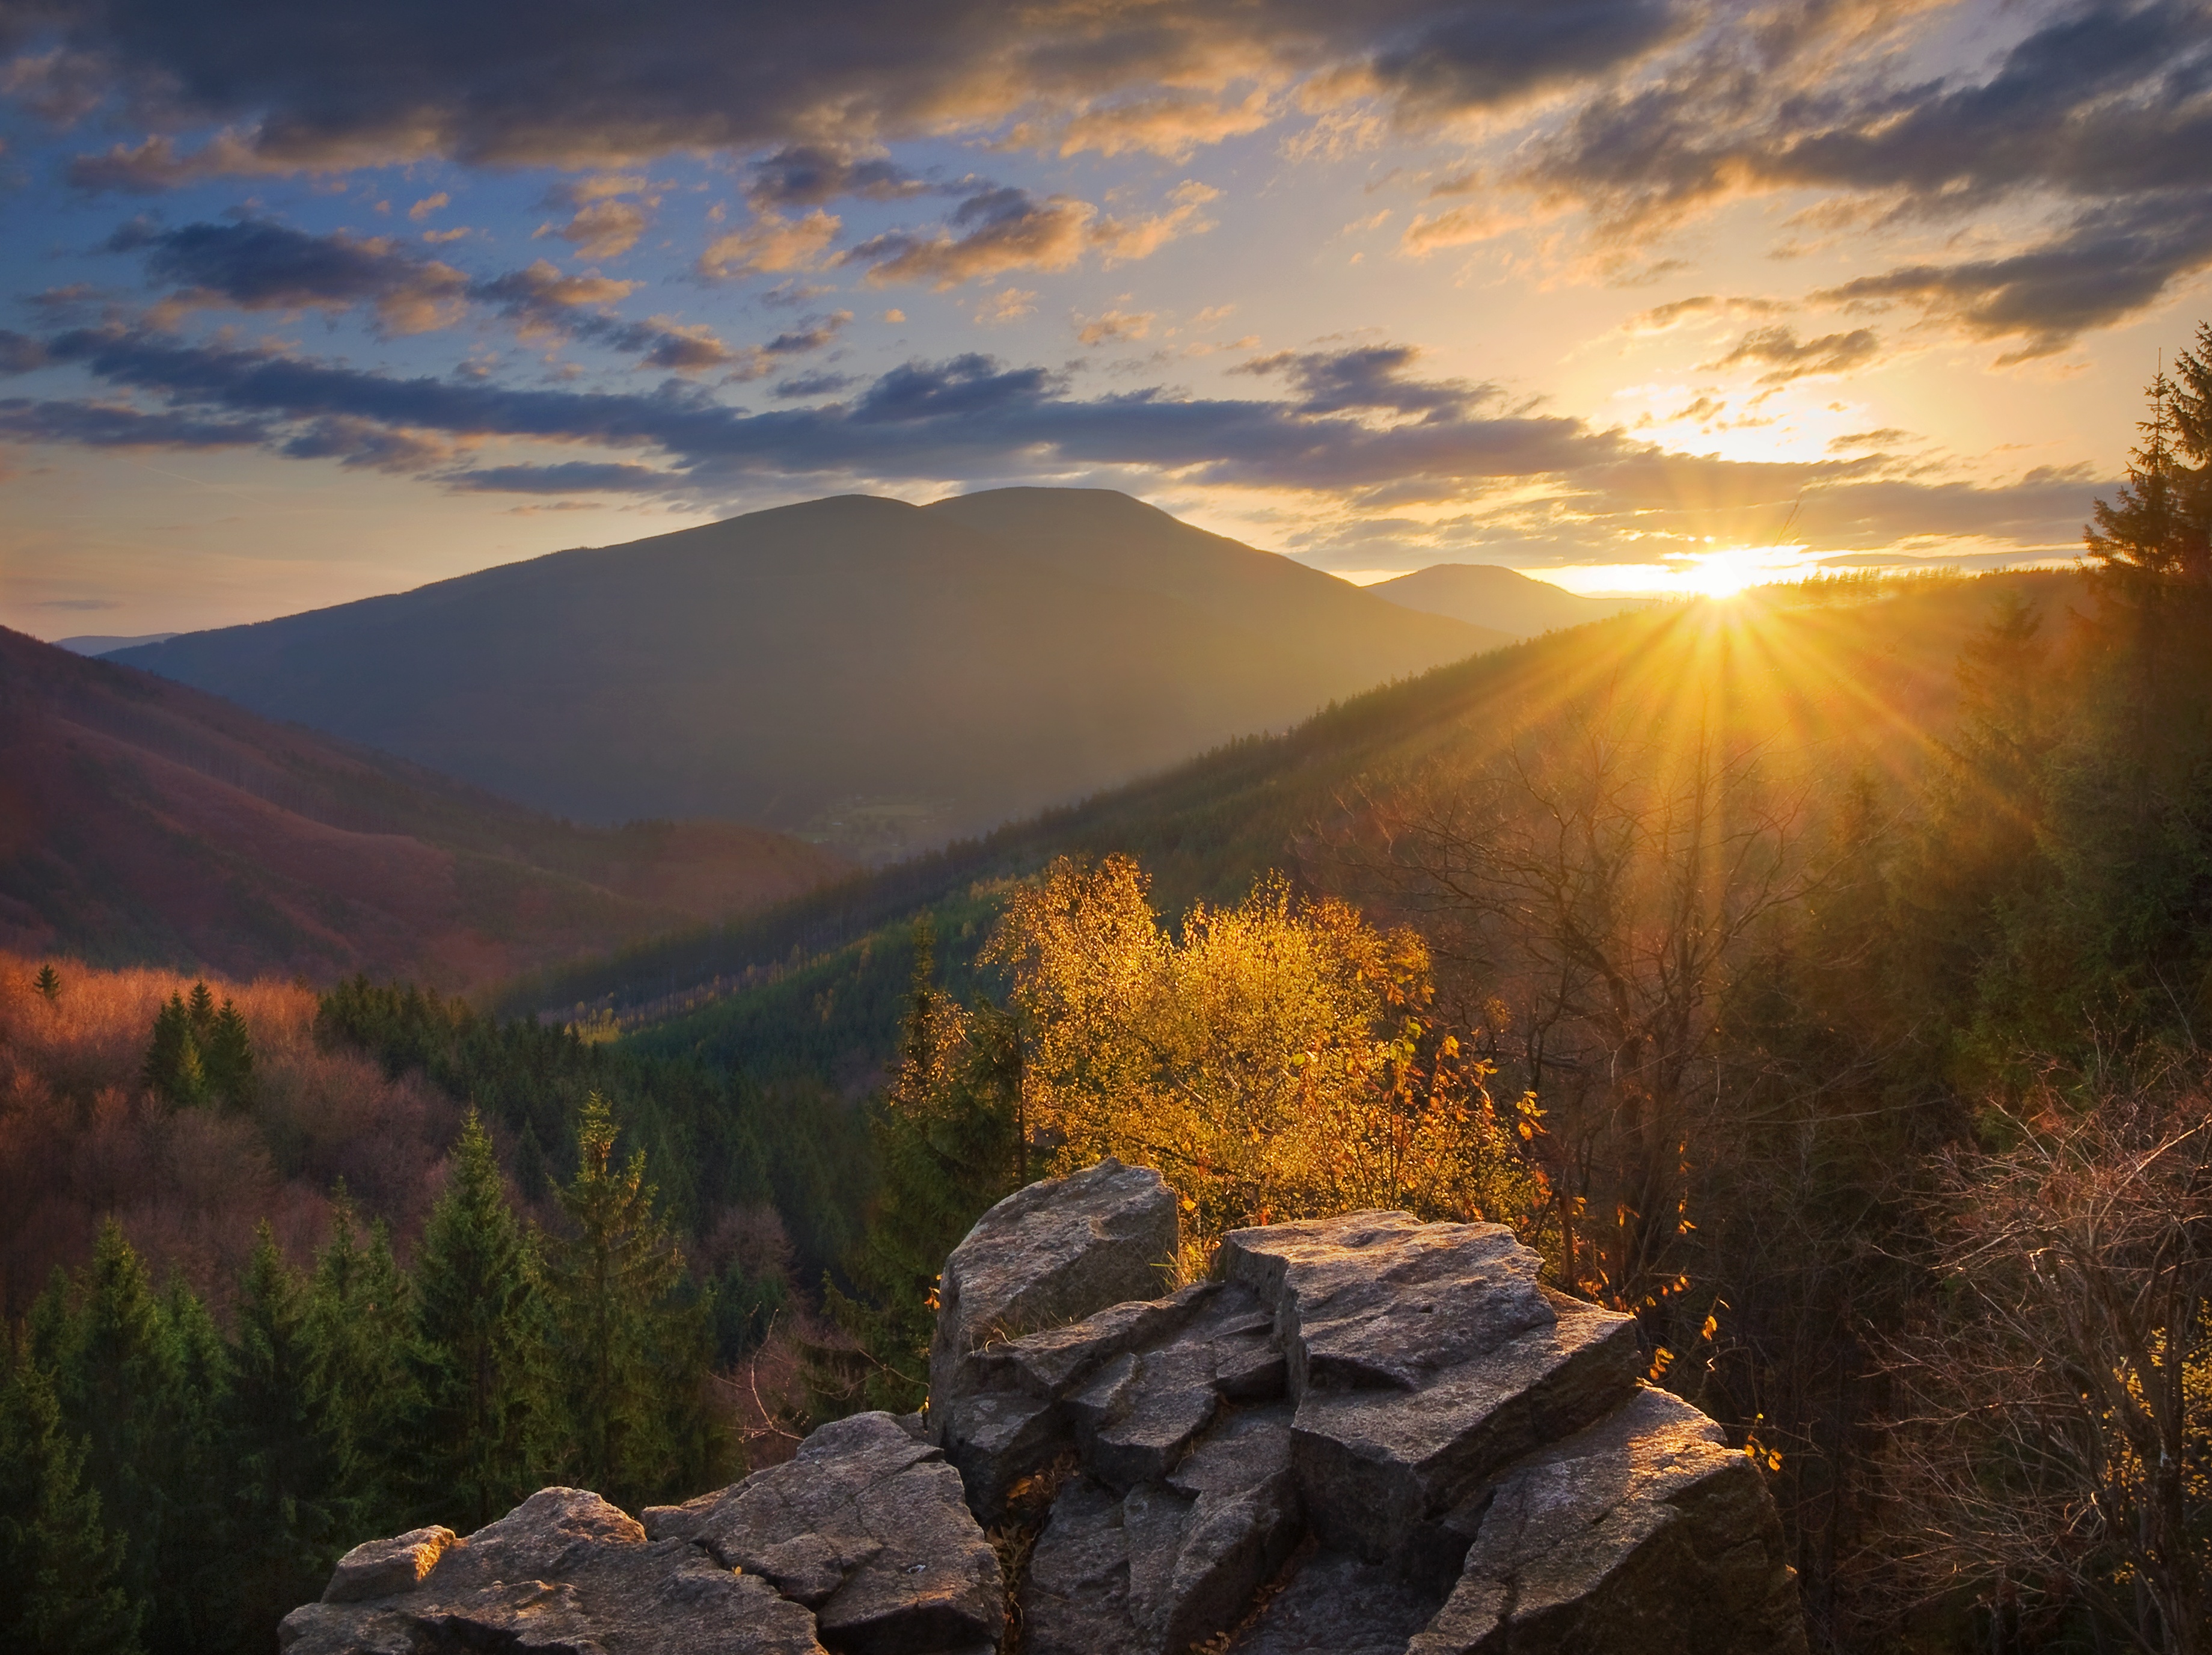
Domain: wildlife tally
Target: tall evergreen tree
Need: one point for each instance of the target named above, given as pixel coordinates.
(282, 1449)
(357, 1323)
(61, 1563)
(631, 1350)
(200, 1008)
(48, 982)
(227, 1056)
(475, 1421)
(173, 1068)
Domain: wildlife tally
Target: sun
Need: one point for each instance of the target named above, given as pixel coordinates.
(1726, 570)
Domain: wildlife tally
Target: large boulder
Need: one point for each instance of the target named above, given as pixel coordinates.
(861, 1546)
(1050, 1255)
(1367, 1434)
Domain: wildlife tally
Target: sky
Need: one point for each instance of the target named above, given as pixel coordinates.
(300, 304)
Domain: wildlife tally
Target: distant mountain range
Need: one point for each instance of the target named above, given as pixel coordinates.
(102, 643)
(1484, 594)
(145, 822)
(882, 675)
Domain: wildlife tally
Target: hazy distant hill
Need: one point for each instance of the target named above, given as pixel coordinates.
(143, 822)
(1483, 594)
(103, 643)
(845, 659)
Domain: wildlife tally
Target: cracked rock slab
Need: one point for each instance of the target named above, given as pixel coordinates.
(1052, 1254)
(867, 1526)
(1643, 1535)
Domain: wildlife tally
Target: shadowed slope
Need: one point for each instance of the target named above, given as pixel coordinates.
(143, 822)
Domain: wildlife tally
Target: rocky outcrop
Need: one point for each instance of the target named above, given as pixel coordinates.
(1364, 1435)
(861, 1545)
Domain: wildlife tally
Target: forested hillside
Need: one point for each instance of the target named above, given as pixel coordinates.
(147, 823)
(881, 675)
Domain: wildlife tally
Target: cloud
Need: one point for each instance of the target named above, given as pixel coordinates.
(814, 385)
(1113, 325)
(1662, 317)
(1002, 228)
(1368, 377)
(574, 84)
(1887, 437)
(2108, 264)
(543, 289)
(1008, 304)
(1787, 358)
(1540, 489)
(923, 419)
(991, 232)
(99, 425)
(1170, 127)
(256, 264)
(813, 175)
(771, 243)
(605, 222)
(422, 209)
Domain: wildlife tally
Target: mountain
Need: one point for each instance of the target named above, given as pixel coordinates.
(143, 822)
(1484, 594)
(102, 643)
(882, 675)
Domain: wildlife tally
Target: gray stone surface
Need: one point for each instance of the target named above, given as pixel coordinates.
(1054, 1253)
(564, 1574)
(1337, 1605)
(868, 1528)
(1643, 1535)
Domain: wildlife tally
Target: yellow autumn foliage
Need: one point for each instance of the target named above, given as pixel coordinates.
(1274, 1060)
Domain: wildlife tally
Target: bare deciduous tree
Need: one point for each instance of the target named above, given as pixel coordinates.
(2057, 1443)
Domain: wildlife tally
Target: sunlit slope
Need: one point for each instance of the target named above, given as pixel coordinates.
(769, 668)
(1483, 594)
(1828, 695)
(145, 822)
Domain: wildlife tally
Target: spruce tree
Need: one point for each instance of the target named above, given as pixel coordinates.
(631, 1353)
(358, 1322)
(166, 1054)
(227, 1056)
(48, 982)
(194, 1610)
(60, 1561)
(201, 1009)
(474, 1423)
(118, 1380)
(283, 1450)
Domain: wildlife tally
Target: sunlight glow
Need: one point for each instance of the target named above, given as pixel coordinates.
(1727, 570)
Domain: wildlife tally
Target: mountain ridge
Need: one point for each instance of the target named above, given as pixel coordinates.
(782, 665)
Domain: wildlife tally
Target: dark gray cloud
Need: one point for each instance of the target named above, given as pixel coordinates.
(973, 415)
(576, 82)
(812, 175)
(2104, 103)
(256, 264)
(97, 425)
(968, 415)
(2104, 267)
(1368, 376)
(814, 385)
